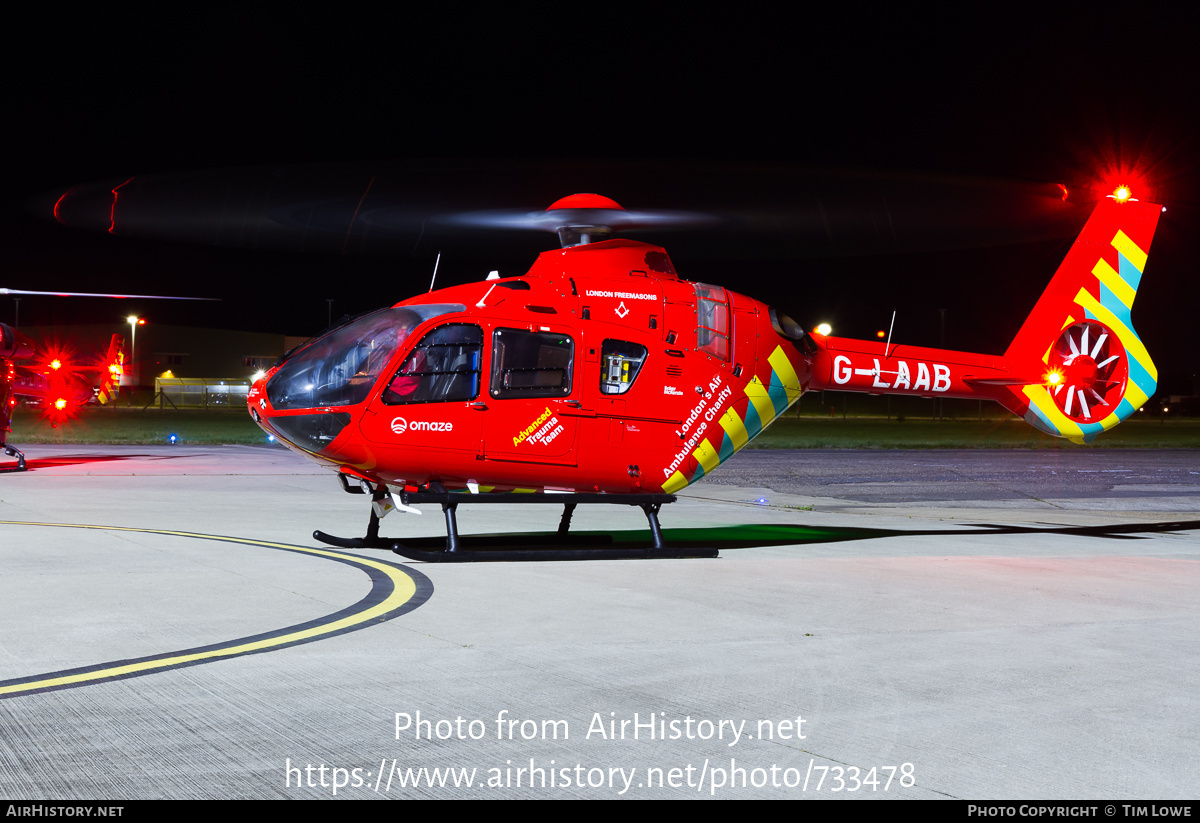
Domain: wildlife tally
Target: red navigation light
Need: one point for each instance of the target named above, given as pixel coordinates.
(56, 364)
(60, 404)
(881, 334)
(1121, 194)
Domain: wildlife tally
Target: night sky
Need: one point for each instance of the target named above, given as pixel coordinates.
(516, 108)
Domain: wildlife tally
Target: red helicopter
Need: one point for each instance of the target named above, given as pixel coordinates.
(55, 381)
(56, 384)
(601, 376)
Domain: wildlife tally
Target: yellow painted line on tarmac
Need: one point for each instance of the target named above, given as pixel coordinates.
(395, 590)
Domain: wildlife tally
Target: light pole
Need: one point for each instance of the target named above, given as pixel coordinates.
(134, 322)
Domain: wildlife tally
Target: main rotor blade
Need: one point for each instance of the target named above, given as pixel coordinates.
(400, 208)
(99, 294)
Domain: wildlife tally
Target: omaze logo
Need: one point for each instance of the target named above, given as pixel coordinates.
(400, 425)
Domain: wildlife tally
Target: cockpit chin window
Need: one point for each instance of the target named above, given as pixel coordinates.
(340, 368)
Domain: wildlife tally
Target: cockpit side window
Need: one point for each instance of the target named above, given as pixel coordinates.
(341, 367)
(444, 367)
(712, 320)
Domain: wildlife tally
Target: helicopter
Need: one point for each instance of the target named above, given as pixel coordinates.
(602, 376)
(56, 384)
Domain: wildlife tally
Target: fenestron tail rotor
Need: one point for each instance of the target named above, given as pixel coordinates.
(1088, 369)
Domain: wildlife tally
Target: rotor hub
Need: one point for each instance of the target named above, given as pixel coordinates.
(1088, 371)
(1080, 372)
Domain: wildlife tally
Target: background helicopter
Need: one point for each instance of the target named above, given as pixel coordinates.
(55, 382)
(58, 381)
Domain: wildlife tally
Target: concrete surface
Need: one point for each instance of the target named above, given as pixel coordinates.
(1008, 624)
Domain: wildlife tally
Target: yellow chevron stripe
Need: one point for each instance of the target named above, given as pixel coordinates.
(1068, 428)
(735, 427)
(786, 374)
(1131, 342)
(674, 483)
(707, 456)
(1135, 395)
(1109, 277)
(1046, 357)
(757, 393)
(1130, 250)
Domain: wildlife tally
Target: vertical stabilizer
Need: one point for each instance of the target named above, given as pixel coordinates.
(1096, 371)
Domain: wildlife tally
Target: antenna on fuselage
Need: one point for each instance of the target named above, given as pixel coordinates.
(435, 267)
(888, 346)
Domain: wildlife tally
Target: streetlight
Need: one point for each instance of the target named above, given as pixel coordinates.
(134, 321)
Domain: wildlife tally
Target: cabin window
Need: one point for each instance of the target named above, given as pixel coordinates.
(620, 363)
(531, 364)
(443, 367)
(712, 320)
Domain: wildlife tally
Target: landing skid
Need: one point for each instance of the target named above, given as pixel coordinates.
(13, 451)
(559, 546)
